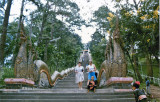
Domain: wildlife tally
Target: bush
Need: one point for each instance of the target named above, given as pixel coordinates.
(155, 84)
(6, 73)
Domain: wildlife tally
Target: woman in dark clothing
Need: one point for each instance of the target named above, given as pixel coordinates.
(139, 94)
(92, 84)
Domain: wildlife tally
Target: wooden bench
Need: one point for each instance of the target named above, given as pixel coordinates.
(18, 83)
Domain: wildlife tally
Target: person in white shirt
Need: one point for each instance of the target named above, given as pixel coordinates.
(79, 76)
(91, 68)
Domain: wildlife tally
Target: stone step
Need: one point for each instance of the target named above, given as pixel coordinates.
(73, 80)
(71, 87)
(72, 77)
(67, 87)
(67, 84)
(62, 92)
(65, 90)
(64, 96)
(54, 95)
(70, 84)
(70, 100)
(69, 81)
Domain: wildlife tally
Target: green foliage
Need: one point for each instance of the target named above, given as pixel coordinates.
(6, 73)
(143, 69)
(98, 43)
(43, 23)
(97, 47)
(137, 24)
(100, 17)
(64, 52)
(138, 27)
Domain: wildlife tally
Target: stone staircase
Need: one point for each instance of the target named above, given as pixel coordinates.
(65, 90)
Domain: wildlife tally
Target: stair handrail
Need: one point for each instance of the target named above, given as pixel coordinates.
(42, 67)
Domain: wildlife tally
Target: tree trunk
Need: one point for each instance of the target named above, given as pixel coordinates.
(52, 30)
(131, 60)
(45, 51)
(44, 18)
(149, 66)
(4, 32)
(53, 19)
(30, 33)
(135, 61)
(20, 19)
(41, 32)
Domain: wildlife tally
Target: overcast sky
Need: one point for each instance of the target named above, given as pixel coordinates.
(87, 7)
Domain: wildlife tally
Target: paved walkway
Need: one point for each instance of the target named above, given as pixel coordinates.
(155, 91)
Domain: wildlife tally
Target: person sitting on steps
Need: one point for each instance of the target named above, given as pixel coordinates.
(92, 85)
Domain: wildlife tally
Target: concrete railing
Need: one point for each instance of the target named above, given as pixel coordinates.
(43, 68)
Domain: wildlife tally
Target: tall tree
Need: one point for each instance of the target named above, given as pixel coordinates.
(44, 18)
(4, 32)
(138, 29)
(98, 43)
